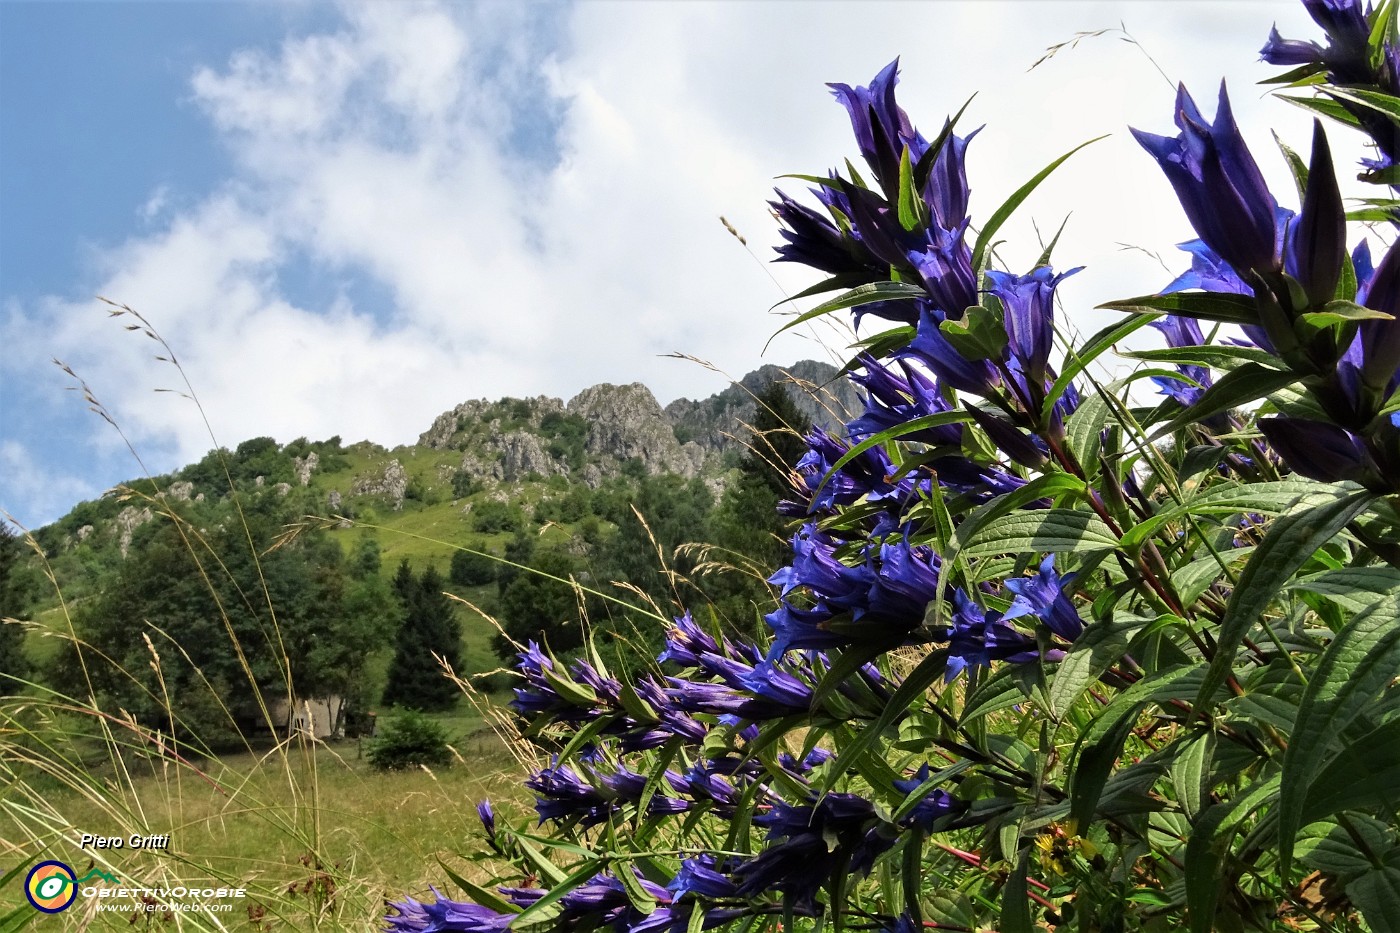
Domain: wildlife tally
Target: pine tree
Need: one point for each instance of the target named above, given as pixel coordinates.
(430, 630)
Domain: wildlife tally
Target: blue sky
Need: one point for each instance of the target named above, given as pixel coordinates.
(346, 218)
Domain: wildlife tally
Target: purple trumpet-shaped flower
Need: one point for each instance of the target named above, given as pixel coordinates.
(488, 821)
(561, 794)
(930, 348)
(686, 641)
(841, 833)
(1183, 332)
(1379, 340)
(1029, 304)
(1346, 56)
(445, 916)
(881, 127)
(944, 266)
(701, 877)
(936, 804)
(946, 192)
(1208, 272)
(867, 474)
(1218, 184)
(1317, 449)
(892, 399)
(814, 241)
(981, 636)
(1043, 595)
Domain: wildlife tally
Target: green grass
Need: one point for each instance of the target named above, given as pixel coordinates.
(290, 829)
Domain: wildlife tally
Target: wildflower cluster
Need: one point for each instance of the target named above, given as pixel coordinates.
(1040, 651)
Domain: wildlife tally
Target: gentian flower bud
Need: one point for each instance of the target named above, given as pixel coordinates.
(1318, 241)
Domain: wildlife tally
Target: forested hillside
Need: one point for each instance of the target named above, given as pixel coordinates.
(318, 569)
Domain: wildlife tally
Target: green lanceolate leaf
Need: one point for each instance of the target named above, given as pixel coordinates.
(1377, 893)
(1015, 902)
(1353, 588)
(541, 910)
(1275, 498)
(1044, 530)
(1290, 541)
(1249, 383)
(1328, 108)
(1365, 775)
(1000, 216)
(1225, 307)
(1220, 357)
(1374, 100)
(1362, 659)
(909, 201)
(889, 434)
(1102, 742)
(846, 280)
(1083, 431)
(1206, 849)
(861, 295)
(1046, 486)
(1100, 647)
(1296, 165)
(919, 680)
(483, 896)
(1190, 770)
(1079, 360)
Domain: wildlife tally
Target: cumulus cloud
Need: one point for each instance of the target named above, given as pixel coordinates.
(536, 190)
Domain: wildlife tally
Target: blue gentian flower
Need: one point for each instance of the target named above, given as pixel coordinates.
(1317, 243)
(893, 399)
(1029, 305)
(930, 348)
(444, 915)
(701, 877)
(936, 804)
(562, 795)
(981, 636)
(1218, 184)
(882, 128)
(1044, 595)
(1318, 450)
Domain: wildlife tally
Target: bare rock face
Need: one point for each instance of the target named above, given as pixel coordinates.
(333, 500)
(392, 482)
(305, 467)
(624, 423)
(180, 492)
(128, 520)
(282, 488)
(85, 532)
(722, 422)
(523, 454)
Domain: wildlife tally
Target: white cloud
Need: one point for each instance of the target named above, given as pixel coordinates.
(388, 147)
(33, 489)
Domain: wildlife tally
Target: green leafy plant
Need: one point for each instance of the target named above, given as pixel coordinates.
(1045, 656)
(410, 740)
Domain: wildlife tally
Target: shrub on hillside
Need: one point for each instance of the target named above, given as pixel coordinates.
(472, 569)
(410, 740)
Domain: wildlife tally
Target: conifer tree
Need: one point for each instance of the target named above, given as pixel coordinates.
(430, 631)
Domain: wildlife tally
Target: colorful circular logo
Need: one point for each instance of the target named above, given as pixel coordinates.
(51, 887)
